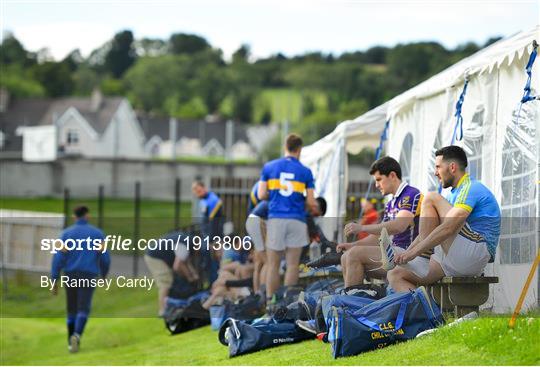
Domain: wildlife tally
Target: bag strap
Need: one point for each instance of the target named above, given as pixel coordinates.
(399, 319)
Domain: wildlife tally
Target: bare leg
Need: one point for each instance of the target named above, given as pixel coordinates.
(344, 264)
(219, 289)
(292, 257)
(272, 271)
(162, 296)
(245, 271)
(260, 258)
(403, 280)
(434, 211)
(359, 260)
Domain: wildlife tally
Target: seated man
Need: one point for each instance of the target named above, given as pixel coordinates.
(464, 228)
(400, 219)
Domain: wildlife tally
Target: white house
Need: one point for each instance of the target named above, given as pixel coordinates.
(95, 126)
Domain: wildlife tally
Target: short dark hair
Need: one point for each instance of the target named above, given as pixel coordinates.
(322, 205)
(385, 165)
(293, 142)
(453, 153)
(80, 211)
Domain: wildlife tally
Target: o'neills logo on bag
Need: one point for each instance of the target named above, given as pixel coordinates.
(282, 340)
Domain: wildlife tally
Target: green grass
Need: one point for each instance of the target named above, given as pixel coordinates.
(157, 217)
(122, 339)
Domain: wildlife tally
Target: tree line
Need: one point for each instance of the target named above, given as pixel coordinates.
(186, 77)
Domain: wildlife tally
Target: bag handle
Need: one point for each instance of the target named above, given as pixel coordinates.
(228, 325)
(399, 319)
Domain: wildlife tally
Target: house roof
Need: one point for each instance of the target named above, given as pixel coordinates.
(42, 111)
(203, 130)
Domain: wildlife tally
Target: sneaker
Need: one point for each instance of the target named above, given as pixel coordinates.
(74, 342)
(328, 259)
(308, 326)
(387, 251)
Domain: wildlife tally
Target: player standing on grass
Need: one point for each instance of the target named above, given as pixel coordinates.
(284, 182)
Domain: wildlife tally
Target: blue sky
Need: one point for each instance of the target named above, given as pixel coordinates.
(291, 27)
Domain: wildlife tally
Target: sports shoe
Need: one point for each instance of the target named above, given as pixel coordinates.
(308, 325)
(74, 342)
(328, 259)
(387, 251)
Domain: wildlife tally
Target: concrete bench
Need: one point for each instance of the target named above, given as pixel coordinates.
(461, 295)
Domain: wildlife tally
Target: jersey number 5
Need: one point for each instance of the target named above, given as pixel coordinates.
(285, 179)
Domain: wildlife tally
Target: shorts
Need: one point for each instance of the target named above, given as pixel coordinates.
(419, 265)
(255, 229)
(465, 257)
(286, 233)
(161, 272)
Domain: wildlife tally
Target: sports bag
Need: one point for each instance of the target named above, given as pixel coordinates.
(242, 337)
(246, 309)
(186, 314)
(397, 317)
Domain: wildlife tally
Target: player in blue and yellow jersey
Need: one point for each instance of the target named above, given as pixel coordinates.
(288, 185)
(211, 211)
(83, 263)
(463, 228)
(253, 197)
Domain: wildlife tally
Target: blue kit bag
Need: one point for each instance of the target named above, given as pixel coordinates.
(186, 314)
(247, 309)
(242, 337)
(397, 317)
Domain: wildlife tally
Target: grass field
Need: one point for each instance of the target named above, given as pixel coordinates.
(123, 339)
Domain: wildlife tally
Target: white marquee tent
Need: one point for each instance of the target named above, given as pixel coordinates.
(500, 136)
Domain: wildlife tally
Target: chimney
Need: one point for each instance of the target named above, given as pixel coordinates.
(96, 100)
(4, 99)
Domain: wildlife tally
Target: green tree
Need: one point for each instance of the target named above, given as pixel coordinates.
(413, 63)
(112, 87)
(13, 52)
(150, 47)
(55, 77)
(73, 60)
(85, 79)
(242, 54)
(153, 79)
(183, 43)
(20, 82)
(121, 54)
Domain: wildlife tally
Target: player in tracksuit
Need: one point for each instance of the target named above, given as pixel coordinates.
(83, 263)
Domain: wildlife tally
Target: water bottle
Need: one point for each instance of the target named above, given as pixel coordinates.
(314, 250)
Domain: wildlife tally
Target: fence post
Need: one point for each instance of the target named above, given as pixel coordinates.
(100, 206)
(66, 207)
(137, 218)
(177, 189)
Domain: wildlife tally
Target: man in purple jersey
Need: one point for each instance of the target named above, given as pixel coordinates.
(400, 220)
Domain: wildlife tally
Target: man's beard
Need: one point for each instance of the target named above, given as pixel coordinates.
(449, 182)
